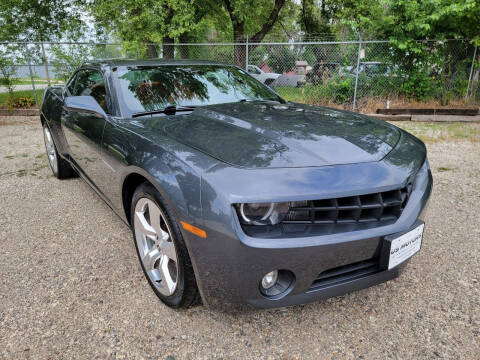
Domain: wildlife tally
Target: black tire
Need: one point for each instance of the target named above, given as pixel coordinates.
(186, 293)
(62, 169)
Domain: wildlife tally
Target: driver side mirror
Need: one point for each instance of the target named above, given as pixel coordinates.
(86, 104)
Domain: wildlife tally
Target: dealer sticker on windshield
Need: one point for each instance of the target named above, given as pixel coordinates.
(405, 246)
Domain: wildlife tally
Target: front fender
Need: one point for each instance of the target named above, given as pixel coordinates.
(127, 153)
(179, 186)
(176, 182)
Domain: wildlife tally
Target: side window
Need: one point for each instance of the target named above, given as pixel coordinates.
(90, 82)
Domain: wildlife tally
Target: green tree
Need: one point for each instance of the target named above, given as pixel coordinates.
(38, 20)
(257, 56)
(361, 17)
(423, 63)
(316, 19)
(148, 21)
(332, 18)
(7, 73)
(253, 18)
(281, 59)
(67, 58)
(410, 20)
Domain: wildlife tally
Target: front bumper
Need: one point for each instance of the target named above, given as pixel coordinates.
(331, 291)
(233, 274)
(230, 265)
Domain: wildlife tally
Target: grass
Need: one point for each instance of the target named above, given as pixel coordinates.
(10, 157)
(21, 93)
(28, 81)
(40, 162)
(19, 82)
(436, 132)
(291, 93)
(367, 105)
(297, 95)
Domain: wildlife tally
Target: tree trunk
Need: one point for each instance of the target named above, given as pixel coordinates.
(266, 27)
(152, 51)
(184, 49)
(239, 31)
(168, 47)
(45, 62)
(239, 52)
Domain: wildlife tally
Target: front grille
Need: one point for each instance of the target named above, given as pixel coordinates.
(346, 273)
(382, 206)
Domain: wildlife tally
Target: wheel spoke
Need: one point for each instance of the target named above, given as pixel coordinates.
(145, 227)
(50, 147)
(154, 275)
(167, 282)
(168, 249)
(150, 258)
(155, 217)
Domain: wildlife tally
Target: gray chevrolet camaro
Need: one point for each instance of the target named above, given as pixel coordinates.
(234, 194)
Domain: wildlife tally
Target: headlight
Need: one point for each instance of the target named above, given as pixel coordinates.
(262, 213)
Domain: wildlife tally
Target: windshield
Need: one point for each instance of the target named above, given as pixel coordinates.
(153, 88)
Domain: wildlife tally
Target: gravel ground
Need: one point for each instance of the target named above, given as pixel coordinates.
(71, 285)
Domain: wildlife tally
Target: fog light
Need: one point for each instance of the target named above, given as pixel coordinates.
(277, 284)
(269, 279)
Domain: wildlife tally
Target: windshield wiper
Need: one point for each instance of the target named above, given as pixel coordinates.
(167, 110)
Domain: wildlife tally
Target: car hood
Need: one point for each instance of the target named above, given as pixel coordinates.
(266, 135)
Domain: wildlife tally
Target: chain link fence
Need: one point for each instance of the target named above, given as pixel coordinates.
(358, 75)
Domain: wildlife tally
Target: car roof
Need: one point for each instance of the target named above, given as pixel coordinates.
(148, 62)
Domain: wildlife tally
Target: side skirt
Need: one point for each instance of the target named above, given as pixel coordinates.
(96, 190)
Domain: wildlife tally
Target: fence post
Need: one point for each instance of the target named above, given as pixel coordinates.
(45, 62)
(471, 72)
(246, 55)
(356, 74)
(27, 54)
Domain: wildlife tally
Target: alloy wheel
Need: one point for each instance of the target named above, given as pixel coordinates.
(51, 152)
(155, 246)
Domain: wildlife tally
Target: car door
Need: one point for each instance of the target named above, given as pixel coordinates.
(84, 131)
